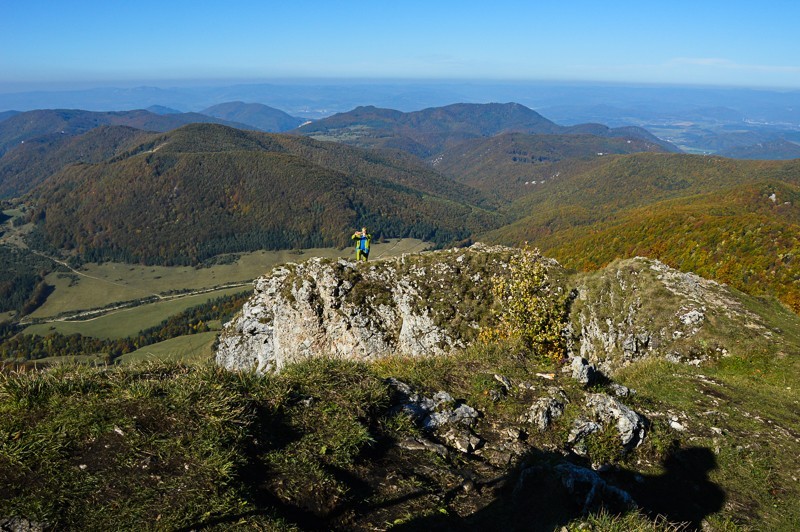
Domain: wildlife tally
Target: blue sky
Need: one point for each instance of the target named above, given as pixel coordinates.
(741, 43)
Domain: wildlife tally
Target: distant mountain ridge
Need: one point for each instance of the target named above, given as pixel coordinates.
(260, 116)
(32, 124)
(430, 131)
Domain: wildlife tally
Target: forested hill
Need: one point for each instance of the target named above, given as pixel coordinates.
(430, 131)
(514, 164)
(260, 116)
(29, 125)
(734, 221)
(30, 163)
(203, 189)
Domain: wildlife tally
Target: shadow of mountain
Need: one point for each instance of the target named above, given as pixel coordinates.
(683, 493)
(547, 492)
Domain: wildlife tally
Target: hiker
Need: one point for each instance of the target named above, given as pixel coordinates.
(363, 240)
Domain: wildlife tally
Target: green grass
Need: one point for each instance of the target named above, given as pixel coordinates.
(193, 348)
(164, 446)
(110, 287)
(752, 404)
(126, 322)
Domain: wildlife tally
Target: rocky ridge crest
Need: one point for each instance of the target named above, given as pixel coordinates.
(430, 303)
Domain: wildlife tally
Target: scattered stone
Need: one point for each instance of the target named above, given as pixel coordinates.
(677, 426)
(461, 415)
(440, 398)
(468, 486)
(693, 318)
(505, 381)
(306, 402)
(543, 411)
(422, 444)
(21, 524)
(548, 376)
(462, 439)
(620, 390)
(582, 371)
(582, 428)
(631, 426)
(514, 433)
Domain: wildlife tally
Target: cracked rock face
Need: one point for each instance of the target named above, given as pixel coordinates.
(423, 304)
(640, 307)
(429, 303)
(630, 425)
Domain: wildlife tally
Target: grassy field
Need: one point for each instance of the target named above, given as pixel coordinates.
(98, 285)
(129, 321)
(183, 349)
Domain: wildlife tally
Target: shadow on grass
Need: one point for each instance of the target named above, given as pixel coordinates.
(683, 493)
(548, 492)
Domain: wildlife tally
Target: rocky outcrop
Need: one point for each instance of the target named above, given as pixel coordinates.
(640, 308)
(423, 304)
(430, 303)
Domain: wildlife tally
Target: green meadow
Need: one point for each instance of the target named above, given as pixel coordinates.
(96, 286)
(183, 349)
(129, 321)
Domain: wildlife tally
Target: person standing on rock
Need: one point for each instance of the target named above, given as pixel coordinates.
(363, 241)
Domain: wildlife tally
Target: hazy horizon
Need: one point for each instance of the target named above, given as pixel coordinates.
(85, 44)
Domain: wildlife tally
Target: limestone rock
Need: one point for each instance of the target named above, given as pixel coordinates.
(591, 492)
(462, 438)
(582, 371)
(640, 308)
(630, 425)
(429, 303)
(422, 304)
(582, 428)
(545, 409)
(20, 524)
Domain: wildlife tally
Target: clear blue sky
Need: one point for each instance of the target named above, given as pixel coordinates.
(744, 43)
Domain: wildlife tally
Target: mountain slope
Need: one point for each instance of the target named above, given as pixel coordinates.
(729, 220)
(27, 165)
(8, 114)
(775, 150)
(257, 115)
(512, 164)
(202, 190)
(430, 131)
(31, 124)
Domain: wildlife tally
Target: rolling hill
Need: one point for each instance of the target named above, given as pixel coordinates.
(259, 116)
(430, 131)
(29, 125)
(27, 165)
(513, 164)
(734, 221)
(203, 189)
(780, 149)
